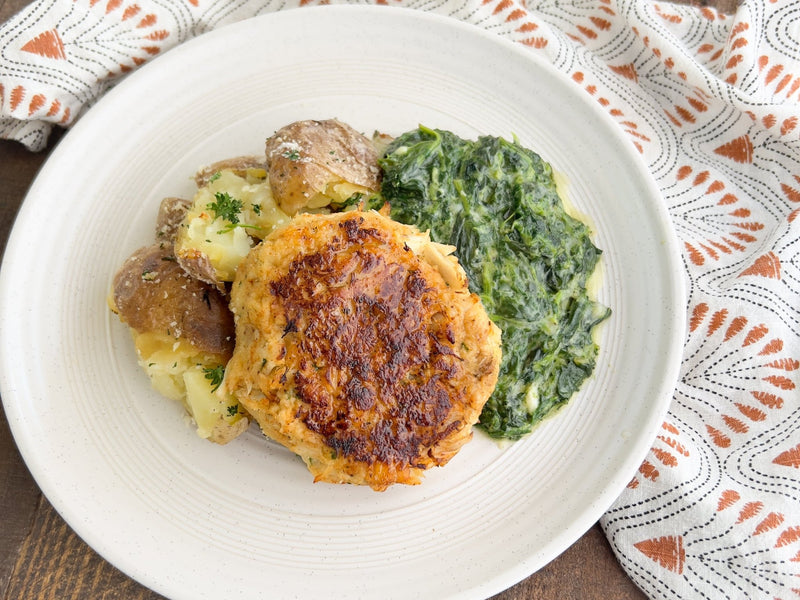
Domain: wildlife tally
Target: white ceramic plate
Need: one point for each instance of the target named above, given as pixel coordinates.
(194, 520)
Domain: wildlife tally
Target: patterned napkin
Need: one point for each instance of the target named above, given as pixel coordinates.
(712, 102)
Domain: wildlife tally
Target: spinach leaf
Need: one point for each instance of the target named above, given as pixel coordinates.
(524, 256)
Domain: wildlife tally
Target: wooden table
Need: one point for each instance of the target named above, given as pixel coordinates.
(41, 557)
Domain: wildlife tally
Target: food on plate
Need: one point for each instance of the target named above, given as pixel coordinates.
(231, 210)
(182, 329)
(367, 301)
(243, 166)
(312, 164)
(526, 257)
(170, 216)
(360, 347)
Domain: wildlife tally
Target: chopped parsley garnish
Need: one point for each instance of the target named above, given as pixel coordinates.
(214, 375)
(233, 410)
(257, 209)
(233, 226)
(291, 155)
(226, 207)
(214, 177)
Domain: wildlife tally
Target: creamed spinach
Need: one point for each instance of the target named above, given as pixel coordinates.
(524, 256)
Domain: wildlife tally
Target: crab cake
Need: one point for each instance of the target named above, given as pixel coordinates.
(360, 348)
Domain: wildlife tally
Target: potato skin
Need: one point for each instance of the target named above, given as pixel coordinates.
(152, 293)
(199, 267)
(238, 164)
(170, 215)
(306, 158)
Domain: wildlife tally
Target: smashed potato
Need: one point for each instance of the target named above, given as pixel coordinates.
(312, 164)
(232, 209)
(182, 330)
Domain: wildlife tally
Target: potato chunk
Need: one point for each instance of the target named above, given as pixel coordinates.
(183, 332)
(152, 293)
(243, 166)
(311, 164)
(233, 208)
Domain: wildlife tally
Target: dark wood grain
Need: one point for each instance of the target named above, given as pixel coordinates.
(19, 501)
(42, 558)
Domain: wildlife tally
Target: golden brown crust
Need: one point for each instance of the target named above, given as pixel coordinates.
(152, 293)
(355, 352)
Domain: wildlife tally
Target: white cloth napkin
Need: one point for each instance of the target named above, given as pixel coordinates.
(713, 104)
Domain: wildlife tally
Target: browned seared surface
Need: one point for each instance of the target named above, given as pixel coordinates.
(356, 353)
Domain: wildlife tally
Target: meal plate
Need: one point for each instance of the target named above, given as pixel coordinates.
(194, 520)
